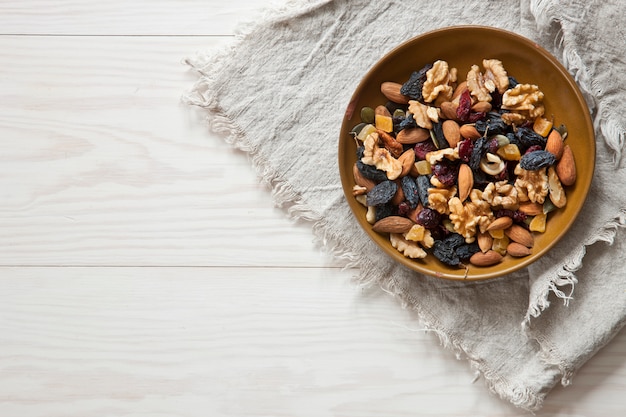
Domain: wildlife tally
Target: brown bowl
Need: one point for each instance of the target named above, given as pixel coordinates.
(461, 47)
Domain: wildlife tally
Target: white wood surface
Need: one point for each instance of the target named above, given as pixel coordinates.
(144, 270)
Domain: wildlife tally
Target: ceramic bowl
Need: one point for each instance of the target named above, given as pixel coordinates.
(461, 47)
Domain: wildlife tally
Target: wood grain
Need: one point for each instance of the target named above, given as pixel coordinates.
(103, 164)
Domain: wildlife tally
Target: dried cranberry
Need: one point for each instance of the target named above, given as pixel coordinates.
(476, 116)
(446, 173)
(428, 218)
(403, 209)
(493, 146)
(520, 217)
(465, 106)
(534, 148)
(504, 213)
(465, 150)
(422, 148)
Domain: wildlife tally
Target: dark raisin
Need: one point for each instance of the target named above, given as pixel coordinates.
(481, 146)
(423, 184)
(413, 87)
(446, 250)
(392, 106)
(466, 250)
(438, 138)
(512, 82)
(410, 190)
(422, 148)
(371, 172)
(428, 218)
(408, 122)
(381, 193)
(492, 124)
(529, 138)
(476, 116)
(536, 160)
(533, 149)
(385, 210)
(360, 152)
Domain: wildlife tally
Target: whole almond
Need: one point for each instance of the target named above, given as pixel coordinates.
(462, 86)
(451, 132)
(482, 106)
(360, 180)
(517, 250)
(485, 241)
(408, 160)
(393, 224)
(491, 257)
(554, 144)
(465, 181)
(448, 110)
(469, 132)
(412, 135)
(391, 90)
(530, 208)
(520, 235)
(566, 167)
(398, 197)
(500, 223)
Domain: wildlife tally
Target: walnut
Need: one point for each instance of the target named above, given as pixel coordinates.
(501, 194)
(514, 118)
(471, 217)
(437, 156)
(380, 157)
(438, 199)
(424, 115)
(476, 84)
(531, 185)
(496, 74)
(438, 80)
(406, 247)
(524, 99)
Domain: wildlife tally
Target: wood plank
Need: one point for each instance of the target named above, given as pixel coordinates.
(118, 17)
(247, 342)
(101, 163)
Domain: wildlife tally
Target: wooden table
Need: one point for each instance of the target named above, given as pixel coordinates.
(145, 270)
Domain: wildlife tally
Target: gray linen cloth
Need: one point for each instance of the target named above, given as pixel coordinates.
(279, 93)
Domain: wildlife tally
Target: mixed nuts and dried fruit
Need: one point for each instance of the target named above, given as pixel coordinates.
(466, 170)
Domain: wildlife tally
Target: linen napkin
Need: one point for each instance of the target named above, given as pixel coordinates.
(279, 93)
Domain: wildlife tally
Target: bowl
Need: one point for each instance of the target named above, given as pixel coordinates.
(461, 47)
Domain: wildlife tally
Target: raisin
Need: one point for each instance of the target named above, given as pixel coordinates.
(536, 160)
(407, 123)
(360, 151)
(446, 250)
(371, 172)
(527, 137)
(465, 106)
(465, 251)
(423, 184)
(381, 193)
(492, 124)
(438, 138)
(481, 147)
(476, 116)
(384, 210)
(422, 148)
(413, 87)
(428, 218)
(512, 82)
(410, 190)
(533, 149)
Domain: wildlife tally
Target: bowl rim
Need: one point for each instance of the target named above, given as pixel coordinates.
(583, 182)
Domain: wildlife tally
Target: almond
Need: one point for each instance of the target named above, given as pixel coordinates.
(469, 132)
(393, 224)
(462, 86)
(448, 110)
(451, 132)
(391, 90)
(517, 250)
(359, 179)
(482, 107)
(500, 223)
(566, 167)
(398, 197)
(408, 160)
(465, 181)
(491, 257)
(520, 235)
(554, 144)
(485, 241)
(530, 208)
(412, 135)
